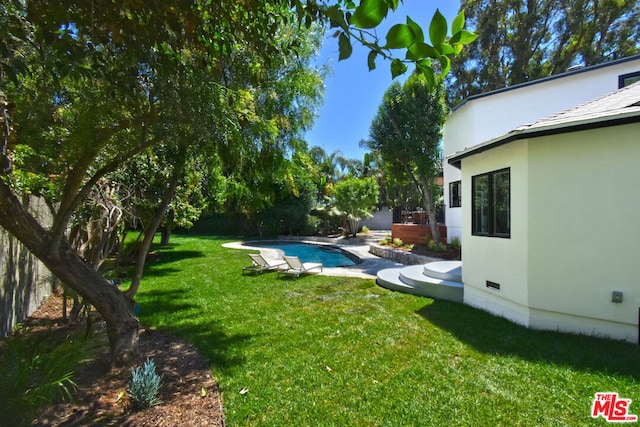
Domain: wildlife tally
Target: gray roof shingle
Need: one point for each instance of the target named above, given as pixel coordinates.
(625, 101)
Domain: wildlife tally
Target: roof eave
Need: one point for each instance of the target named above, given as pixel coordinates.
(553, 129)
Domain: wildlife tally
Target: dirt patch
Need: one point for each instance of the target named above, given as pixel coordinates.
(189, 393)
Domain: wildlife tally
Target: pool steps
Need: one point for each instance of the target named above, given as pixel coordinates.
(439, 280)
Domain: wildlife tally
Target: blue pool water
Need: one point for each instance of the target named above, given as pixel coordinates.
(327, 255)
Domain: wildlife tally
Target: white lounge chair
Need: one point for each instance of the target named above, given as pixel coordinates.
(297, 267)
(260, 264)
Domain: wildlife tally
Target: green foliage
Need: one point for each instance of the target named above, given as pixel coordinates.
(344, 46)
(217, 224)
(289, 211)
(227, 82)
(369, 13)
(521, 41)
(455, 243)
(312, 227)
(405, 137)
(436, 246)
(356, 197)
(386, 241)
(400, 36)
(355, 23)
(397, 242)
(36, 370)
(145, 386)
(275, 339)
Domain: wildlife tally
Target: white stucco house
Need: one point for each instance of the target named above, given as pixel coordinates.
(550, 201)
(483, 117)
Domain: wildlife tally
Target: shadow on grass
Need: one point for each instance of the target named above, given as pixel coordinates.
(157, 262)
(159, 271)
(186, 320)
(495, 335)
(169, 256)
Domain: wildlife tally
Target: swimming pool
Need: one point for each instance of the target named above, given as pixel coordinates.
(329, 256)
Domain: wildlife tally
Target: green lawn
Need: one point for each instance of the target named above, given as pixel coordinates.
(342, 351)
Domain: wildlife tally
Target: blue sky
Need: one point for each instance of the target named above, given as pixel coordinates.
(352, 93)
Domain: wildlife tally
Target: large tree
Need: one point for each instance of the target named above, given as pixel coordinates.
(525, 40)
(94, 83)
(406, 134)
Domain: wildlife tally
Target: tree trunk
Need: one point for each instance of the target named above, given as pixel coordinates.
(353, 225)
(423, 186)
(66, 264)
(431, 212)
(151, 229)
(166, 235)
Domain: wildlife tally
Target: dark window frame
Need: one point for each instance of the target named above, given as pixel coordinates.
(455, 198)
(492, 216)
(622, 79)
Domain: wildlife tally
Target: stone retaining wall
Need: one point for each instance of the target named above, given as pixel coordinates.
(402, 257)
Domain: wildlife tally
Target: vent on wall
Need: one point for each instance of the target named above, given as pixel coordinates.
(493, 285)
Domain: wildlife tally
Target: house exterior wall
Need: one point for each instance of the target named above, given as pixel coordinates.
(574, 233)
(583, 228)
(457, 129)
(488, 116)
(499, 260)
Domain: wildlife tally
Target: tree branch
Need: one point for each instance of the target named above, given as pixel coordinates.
(152, 227)
(65, 212)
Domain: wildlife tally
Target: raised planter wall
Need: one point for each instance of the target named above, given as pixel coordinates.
(416, 233)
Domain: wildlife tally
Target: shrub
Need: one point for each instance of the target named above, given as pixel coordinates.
(311, 227)
(36, 370)
(436, 246)
(144, 386)
(365, 229)
(397, 242)
(455, 243)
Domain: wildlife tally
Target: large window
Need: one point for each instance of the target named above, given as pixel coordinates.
(491, 204)
(455, 196)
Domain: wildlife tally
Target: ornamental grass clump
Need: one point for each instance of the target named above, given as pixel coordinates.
(36, 370)
(144, 386)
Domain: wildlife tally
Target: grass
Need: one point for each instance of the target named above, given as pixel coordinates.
(341, 351)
